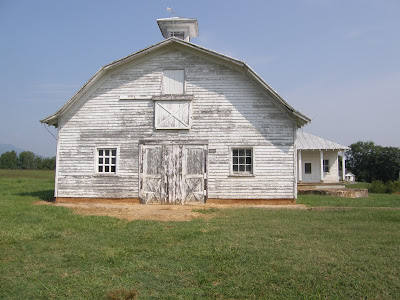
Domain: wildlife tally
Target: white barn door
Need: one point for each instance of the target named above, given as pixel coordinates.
(173, 174)
(151, 174)
(173, 82)
(194, 173)
(172, 114)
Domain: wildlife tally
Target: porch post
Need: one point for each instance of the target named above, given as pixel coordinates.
(343, 167)
(322, 165)
(300, 170)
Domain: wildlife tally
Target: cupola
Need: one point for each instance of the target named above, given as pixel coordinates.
(181, 28)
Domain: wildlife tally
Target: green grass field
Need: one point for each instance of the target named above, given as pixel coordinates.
(374, 200)
(48, 252)
(358, 185)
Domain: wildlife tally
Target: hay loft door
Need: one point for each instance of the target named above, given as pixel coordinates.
(173, 174)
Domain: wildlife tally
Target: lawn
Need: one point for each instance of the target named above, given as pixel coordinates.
(48, 252)
(373, 200)
(358, 185)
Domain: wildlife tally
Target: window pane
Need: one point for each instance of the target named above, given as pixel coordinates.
(242, 160)
(107, 159)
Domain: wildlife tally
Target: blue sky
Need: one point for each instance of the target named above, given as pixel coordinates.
(336, 61)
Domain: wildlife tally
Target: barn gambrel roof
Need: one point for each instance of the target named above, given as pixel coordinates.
(299, 118)
(308, 141)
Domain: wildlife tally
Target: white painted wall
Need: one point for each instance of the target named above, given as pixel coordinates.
(313, 157)
(228, 110)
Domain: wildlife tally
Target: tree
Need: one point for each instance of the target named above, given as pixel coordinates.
(9, 160)
(26, 160)
(49, 163)
(371, 162)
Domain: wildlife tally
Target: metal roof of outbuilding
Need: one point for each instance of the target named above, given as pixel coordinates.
(308, 141)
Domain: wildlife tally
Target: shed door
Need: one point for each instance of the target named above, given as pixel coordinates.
(151, 165)
(174, 174)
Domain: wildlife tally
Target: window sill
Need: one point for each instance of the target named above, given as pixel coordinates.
(175, 97)
(241, 175)
(166, 128)
(105, 175)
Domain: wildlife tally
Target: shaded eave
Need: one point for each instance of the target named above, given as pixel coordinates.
(300, 118)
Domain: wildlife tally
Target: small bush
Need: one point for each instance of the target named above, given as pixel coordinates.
(380, 187)
(377, 187)
(393, 187)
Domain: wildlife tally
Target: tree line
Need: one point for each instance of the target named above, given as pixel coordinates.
(26, 160)
(370, 162)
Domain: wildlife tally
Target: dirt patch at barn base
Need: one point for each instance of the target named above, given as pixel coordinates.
(156, 212)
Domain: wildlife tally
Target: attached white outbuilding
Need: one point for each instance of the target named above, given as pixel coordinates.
(318, 159)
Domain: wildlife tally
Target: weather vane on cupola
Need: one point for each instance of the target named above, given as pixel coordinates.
(171, 10)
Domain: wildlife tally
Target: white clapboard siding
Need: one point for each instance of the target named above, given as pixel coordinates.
(228, 110)
(173, 82)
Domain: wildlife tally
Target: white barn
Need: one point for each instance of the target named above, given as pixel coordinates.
(177, 123)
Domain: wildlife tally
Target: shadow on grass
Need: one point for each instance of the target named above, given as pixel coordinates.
(45, 195)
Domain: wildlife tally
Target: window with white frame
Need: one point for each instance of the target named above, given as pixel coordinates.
(326, 165)
(106, 160)
(173, 82)
(242, 161)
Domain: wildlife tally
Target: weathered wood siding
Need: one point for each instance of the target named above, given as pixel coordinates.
(228, 110)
